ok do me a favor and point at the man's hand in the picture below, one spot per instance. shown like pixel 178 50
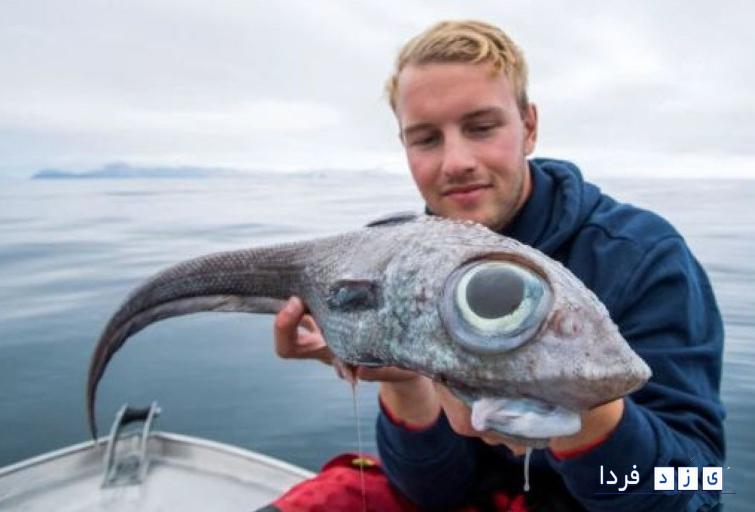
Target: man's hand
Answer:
pixel 297 336
pixel 597 424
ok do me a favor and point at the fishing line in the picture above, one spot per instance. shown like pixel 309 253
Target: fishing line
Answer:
pixel 355 399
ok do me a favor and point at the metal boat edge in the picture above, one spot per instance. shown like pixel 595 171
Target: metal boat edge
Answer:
pixel 184 473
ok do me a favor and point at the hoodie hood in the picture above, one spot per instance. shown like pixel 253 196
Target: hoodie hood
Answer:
pixel 558 205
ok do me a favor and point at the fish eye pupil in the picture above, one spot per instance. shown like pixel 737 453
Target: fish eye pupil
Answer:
pixel 494 292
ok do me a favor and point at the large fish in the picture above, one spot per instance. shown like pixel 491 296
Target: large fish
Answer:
pixel 506 328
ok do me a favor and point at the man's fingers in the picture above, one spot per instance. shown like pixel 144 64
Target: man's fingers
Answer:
pixel 308 323
pixel 322 354
pixel 286 327
pixel 297 336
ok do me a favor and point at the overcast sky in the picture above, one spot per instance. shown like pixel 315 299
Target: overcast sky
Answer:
pixel 631 87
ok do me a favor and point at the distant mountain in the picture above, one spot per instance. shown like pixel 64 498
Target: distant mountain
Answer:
pixel 125 171
pixel 53 174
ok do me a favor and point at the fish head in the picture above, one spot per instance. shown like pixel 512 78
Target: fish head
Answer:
pixel 510 331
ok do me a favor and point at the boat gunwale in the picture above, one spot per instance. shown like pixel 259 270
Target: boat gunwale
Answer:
pixel 159 436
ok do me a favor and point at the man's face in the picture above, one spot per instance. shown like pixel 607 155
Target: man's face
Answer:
pixel 465 140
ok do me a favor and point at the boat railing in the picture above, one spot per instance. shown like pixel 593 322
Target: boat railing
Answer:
pixel 124 466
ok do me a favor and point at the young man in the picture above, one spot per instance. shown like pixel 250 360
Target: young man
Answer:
pixel 459 93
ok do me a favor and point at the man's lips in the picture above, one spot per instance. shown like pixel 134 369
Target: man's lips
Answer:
pixel 465 194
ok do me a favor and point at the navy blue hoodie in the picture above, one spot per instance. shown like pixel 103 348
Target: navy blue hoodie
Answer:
pixel 642 270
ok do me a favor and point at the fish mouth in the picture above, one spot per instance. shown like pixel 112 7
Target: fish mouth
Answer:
pixel 526 421
pixel 349 371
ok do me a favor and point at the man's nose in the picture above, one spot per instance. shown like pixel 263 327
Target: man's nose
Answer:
pixel 458 157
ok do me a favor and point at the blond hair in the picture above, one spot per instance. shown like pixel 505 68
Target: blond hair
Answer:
pixel 472 42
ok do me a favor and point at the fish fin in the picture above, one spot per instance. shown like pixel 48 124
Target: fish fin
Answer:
pixel 393 219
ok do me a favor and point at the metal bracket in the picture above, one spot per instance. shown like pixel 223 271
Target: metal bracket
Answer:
pixel 130 467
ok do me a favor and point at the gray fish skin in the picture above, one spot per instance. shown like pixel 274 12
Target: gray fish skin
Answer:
pixel 378 296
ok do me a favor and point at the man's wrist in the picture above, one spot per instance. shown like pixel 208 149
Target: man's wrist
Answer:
pixel 412 403
pixel 597 426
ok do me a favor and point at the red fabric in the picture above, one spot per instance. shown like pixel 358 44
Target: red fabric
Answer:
pixel 506 503
pixel 338 488
pixel 518 504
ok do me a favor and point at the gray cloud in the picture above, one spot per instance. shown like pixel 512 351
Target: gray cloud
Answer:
pixel 622 86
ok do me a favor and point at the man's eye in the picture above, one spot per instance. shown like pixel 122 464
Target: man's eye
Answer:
pixel 424 141
pixel 482 129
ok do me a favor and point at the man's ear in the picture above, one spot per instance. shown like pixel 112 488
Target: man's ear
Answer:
pixel 530 129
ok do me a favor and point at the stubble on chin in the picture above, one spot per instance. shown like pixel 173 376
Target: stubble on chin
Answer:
pixel 494 212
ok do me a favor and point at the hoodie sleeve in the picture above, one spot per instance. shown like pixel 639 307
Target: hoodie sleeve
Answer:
pixel 669 316
pixel 433 467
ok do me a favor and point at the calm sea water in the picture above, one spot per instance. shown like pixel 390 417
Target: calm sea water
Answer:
pixel 71 250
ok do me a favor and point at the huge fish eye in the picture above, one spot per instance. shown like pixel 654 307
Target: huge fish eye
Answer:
pixel 490 292
pixel 494 306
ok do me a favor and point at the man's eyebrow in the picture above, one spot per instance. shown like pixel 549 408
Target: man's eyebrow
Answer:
pixel 413 128
pixel 481 113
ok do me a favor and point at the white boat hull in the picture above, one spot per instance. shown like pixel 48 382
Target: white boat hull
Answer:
pixel 184 474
